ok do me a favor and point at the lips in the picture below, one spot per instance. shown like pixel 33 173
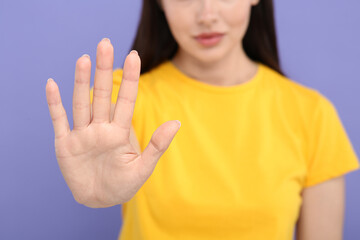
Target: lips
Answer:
pixel 209 39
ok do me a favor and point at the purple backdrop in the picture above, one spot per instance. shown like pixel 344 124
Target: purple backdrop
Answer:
pixel 319 47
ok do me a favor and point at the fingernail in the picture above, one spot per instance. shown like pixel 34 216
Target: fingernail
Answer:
pixel 178 122
pixel 135 52
pixel 86 55
pixel 50 80
pixel 105 39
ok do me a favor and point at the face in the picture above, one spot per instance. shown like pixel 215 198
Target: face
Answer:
pixel 208 30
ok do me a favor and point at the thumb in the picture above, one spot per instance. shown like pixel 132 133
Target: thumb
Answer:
pixel 159 143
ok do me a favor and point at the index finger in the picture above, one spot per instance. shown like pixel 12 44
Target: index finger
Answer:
pixel 57 111
pixel 125 103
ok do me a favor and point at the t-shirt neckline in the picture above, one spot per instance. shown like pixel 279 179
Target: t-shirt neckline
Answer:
pixel 246 86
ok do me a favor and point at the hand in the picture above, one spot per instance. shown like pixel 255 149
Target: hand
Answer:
pixel 98 161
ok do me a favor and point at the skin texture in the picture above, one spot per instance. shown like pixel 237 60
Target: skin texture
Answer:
pixel 103 169
pixel 99 160
pixel 322 211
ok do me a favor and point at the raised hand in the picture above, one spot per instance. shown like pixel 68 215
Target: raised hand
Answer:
pixel 100 164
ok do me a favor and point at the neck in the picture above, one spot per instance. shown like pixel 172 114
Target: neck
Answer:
pixel 233 69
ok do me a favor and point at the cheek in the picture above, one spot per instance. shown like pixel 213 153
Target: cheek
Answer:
pixel 237 20
pixel 179 29
pixel 238 16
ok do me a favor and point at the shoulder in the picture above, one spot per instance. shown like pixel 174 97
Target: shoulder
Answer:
pixel 287 89
pixel 301 105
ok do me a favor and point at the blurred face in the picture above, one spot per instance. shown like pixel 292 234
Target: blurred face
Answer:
pixel 208 30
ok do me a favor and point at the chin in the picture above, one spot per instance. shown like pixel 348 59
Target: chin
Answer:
pixel 206 55
pixel 213 54
pixel 210 56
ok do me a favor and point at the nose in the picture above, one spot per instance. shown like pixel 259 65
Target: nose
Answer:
pixel 207 12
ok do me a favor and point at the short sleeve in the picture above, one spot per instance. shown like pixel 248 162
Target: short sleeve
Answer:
pixel 330 151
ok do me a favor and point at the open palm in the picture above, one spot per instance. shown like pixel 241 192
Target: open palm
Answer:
pixel 100 164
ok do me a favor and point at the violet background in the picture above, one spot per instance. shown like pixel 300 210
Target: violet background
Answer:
pixel 319 47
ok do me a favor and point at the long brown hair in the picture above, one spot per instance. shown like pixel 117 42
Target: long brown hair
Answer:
pixel 155 43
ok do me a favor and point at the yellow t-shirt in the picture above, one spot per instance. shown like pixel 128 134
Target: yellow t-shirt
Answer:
pixel 242 156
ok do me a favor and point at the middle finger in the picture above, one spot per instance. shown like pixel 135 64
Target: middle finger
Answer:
pixel 103 81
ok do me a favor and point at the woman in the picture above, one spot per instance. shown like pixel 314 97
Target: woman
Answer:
pixel 257 153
